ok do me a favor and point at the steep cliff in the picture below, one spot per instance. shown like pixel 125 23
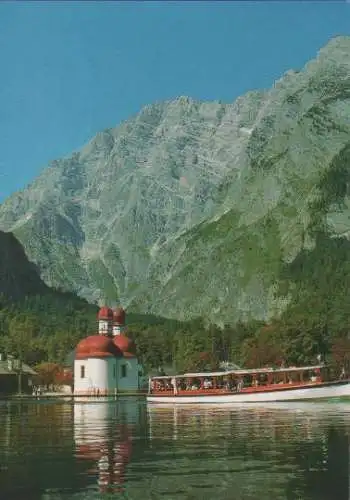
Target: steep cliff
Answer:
pixel 194 208
pixel 18 276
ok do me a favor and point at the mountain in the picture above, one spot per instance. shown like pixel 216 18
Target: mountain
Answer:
pixel 200 208
pixel 18 276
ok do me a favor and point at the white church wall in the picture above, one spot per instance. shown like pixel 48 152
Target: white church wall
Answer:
pixel 94 376
pixel 112 375
pixel 128 376
pixel 81 376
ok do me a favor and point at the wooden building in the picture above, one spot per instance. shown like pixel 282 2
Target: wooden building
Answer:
pixel 15 376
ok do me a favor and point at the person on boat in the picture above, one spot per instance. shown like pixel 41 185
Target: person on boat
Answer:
pixel 174 385
pixel 229 386
pixel 182 385
pixel 207 384
pixel 219 384
pixel 160 385
pixel 240 384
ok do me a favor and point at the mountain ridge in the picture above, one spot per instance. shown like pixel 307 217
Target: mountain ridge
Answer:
pixel 190 206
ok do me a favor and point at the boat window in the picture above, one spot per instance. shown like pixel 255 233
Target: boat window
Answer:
pixel 263 379
pixel 207 383
pixel 195 384
pixel 182 385
pixel 168 384
pixel 278 378
pixel 248 380
pixel 325 375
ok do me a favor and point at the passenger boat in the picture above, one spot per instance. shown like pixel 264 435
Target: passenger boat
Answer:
pixel 249 386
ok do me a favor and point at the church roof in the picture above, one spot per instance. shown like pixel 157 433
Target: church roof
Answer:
pixel 97 346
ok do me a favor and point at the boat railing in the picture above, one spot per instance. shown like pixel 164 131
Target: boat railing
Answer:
pixel 179 385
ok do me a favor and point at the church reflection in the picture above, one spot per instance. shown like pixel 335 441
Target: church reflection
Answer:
pixel 103 441
pixel 124 449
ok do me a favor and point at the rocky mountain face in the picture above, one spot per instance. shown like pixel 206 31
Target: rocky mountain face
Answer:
pixel 196 208
pixel 18 276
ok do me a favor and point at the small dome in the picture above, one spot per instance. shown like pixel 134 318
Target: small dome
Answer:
pixel 119 316
pixel 124 344
pixel 97 346
pixel 105 313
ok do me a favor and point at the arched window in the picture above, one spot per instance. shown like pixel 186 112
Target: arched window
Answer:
pixel 123 371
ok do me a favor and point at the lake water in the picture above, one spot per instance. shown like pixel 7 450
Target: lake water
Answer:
pixel 98 450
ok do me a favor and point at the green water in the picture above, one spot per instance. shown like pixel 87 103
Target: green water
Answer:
pixel 93 450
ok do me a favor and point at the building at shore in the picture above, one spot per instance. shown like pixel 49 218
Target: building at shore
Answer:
pixel 15 376
pixel 106 363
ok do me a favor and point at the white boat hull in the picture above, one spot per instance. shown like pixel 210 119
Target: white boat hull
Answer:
pixel 337 390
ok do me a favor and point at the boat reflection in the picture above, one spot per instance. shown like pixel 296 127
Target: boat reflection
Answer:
pixel 276 421
pixel 311 439
pixel 103 439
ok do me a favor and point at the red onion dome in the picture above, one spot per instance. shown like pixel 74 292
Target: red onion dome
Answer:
pixel 97 346
pixel 105 313
pixel 124 344
pixel 119 316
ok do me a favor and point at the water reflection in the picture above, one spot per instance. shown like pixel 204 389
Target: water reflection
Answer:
pixel 124 449
pixel 35 446
pixel 103 438
pixel 275 422
pixel 54 451
pixel 273 451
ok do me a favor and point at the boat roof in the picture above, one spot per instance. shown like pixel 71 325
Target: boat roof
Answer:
pixel 252 371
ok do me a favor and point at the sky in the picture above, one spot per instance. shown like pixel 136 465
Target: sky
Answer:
pixel 72 69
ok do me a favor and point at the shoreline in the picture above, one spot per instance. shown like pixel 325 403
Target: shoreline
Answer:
pixel 73 397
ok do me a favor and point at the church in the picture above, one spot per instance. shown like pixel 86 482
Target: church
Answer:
pixel 106 363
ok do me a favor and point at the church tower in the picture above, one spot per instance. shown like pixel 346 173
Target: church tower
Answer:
pixel 118 321
pixel 105 321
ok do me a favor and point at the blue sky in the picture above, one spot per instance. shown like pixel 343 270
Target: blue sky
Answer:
pixel 71 69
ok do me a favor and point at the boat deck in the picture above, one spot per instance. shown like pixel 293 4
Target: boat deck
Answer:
pixel 244 390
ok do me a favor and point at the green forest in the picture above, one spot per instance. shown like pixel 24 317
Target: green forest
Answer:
pixel 46 328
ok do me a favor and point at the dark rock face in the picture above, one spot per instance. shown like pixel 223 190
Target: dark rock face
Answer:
pixel 18 276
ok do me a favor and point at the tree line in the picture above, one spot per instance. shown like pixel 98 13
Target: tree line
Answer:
pixel 43 330
pixel 46 328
